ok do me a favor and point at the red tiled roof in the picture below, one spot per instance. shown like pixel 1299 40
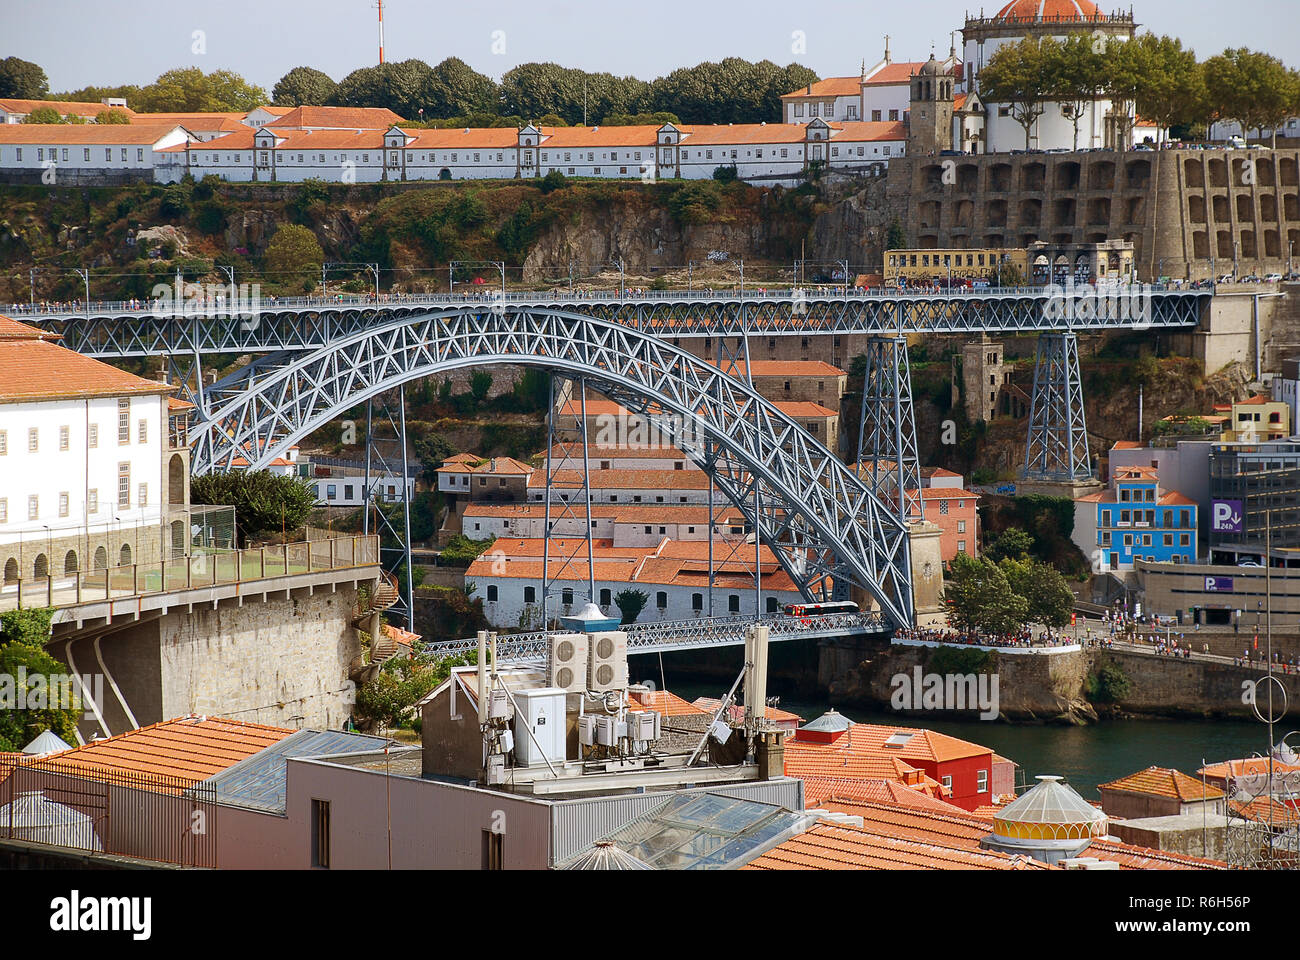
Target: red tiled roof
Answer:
pixel 830 87
pixel 188 749
pixel 91 134
pixel 80 107
pixel 356 118
pixel 11 329
pixel 836 793
pixel 833 846
pixel 40 370
pixel 1164 782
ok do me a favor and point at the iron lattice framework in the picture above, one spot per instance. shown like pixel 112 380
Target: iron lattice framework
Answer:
pixel 1058 428
pixel 663 636
pixel 887 457
pixel 820 519
pixel 296 324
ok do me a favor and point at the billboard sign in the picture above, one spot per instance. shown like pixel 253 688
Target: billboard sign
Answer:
pixel 1218 584
pixel 1226 516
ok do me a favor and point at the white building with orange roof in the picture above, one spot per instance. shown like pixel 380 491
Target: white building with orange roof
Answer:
pixel 16 110
pixel 82 153
pixel 89 460
pixel 677 586
pixel 624 525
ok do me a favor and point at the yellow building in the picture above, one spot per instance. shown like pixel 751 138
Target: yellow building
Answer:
pixel 920 267
pixel 1257 420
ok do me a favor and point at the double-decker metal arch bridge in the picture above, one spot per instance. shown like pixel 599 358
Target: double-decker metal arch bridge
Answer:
pixel 828 523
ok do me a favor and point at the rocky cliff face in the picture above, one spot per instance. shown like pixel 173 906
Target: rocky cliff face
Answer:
pixel 856 224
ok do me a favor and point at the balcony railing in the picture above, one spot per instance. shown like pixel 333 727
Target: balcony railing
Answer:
pixel 206 568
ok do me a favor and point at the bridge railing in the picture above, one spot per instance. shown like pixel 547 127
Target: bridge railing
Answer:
pixel 141 307
pixel 208 568
pixel 692 634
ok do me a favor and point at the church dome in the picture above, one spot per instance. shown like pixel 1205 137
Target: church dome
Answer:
pixel 1050 10
pixel 933 68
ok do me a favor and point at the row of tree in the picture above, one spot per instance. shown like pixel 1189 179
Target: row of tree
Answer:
pixel 732 91
pixel 1006 589
pixel 1154 75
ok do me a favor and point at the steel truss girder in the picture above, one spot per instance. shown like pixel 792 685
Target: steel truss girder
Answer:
pixel 307 326
pixel 1057 447
pixel 666 635
pixel 887 427
pixel 837 516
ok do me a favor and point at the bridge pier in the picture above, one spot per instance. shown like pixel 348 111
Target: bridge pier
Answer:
pixel 887 457
pixel 1057 459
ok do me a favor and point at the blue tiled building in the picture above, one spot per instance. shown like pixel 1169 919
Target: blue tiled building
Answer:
pixel 1134 519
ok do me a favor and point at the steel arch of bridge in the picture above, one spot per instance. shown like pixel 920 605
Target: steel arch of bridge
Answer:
pixel 818 516
pixel 309 323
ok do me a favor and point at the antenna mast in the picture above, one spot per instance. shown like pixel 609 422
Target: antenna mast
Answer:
pixel 380 5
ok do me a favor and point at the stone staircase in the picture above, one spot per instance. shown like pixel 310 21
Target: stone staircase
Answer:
pixel 365 616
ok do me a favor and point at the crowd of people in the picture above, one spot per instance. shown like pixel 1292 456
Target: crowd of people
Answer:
pixel 1025 637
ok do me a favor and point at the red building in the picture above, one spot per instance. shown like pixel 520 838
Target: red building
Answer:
pixel 834 746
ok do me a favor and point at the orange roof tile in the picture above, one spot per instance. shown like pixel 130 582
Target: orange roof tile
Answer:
pixel 625 479
pixel 830 87
pixel 39 370
pixel 710 705
pixel 356 118
pixel 92 134
pixel 868 131
pixel 833 846
pixel 11 329
pixel 664 702
pixel 867 739
pixel 80 107
pixel 1130 857
pixel 838 793
pixel 188 749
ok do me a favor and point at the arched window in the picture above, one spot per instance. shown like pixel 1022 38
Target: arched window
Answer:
pixel 70 562
pixel 41 568
pixel 605 598
pixel 11 570
pixel 492 593
pixel 124 558
pixel 530 594
pixel 176 479
pixel 101 558
pixel 661 600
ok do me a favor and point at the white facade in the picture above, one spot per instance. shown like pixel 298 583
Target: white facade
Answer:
pixel 69 468
pixel 86 149
pixel 509 601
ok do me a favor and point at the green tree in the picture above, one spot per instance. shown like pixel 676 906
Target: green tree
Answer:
pixel 480 382
pixel 554 180
pixel 1048 599
pixel 980 598
pixel 630 603
pixel 294 255
pixel 1254 89
pixel 43 115
pixel 23 634
pixel 388 699
pixel 1018 76
pixel 1012 543
pixel 264 502
pixel 1173 90
pixel 22 80
pixel 896 238
pixel 189 90
pixel 111 117
pixel 1074 75
pixel 454 89
pixel 532 90
pixel 431 451
pixel 303 86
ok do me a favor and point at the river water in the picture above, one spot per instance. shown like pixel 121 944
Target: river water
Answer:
pixel 1085 756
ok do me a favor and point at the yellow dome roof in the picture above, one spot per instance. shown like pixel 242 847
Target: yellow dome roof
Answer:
pixel 1052 810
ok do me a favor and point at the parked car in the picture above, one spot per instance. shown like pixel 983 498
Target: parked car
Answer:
pixel 1247 563
pixel 1273 278
pixel 1226 278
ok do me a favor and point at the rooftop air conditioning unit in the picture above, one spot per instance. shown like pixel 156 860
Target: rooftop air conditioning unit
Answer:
pixel 607 661
pixel 643 725
pixel 587 729
pixel 609 730
pixel 499 705
pixel 566 662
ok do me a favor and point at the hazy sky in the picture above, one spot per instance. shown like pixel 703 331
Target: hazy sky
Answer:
pixel 80 42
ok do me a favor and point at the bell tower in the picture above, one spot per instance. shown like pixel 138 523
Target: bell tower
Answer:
pixel 930 113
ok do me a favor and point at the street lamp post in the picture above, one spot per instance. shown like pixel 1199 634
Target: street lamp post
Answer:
pixel 84 273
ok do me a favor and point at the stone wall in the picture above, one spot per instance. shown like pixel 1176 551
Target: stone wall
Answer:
pixel 1188 213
